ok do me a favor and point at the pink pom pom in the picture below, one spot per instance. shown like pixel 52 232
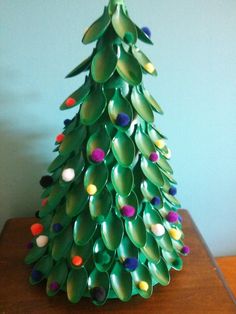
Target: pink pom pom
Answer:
pixel 97 155
pixel 154 156
pixel 185 250
pixel 128 211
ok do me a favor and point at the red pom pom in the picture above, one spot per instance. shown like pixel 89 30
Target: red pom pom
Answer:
pixel 44 201
pixel 70 102
pixel 77 260
pixel 36 229
pixel 60 138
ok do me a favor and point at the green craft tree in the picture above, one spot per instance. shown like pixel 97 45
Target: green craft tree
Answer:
pixel 109 226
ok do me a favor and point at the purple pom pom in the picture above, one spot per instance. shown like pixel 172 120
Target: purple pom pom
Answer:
pixel 123 119
pixel 97 155
pixel 98 294
pixel 172 217
pixel 29 245
pixel 54 286
pixel 147 31
pixel 185 250
pixel 156 201
pixel 36 275
pixel 131 263
pixel 57 227
pixel 128 211
pixel 67 122
pixel 172 190
pixel 154 156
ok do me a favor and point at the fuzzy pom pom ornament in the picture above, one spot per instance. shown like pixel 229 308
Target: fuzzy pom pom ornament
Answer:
pixel 68 174
pixel 172 216
pixel 143 285
pixel 97 155
pixel 173 191
pixel 54 286
pixel 122 119
pixel 98 294
pixel 128 211
pixel 147 31
pixel 46 181
pixel 156 201
pixel 160 143
pixel 44 201
pixel 77 260
pixel 60 138
pixel 57 227
pixel 154 156
pixel 36 275
pixel 185 250
pixel 67 122
pixel 70 102
pixel 175 234
pixel 130 263
pixel 36 229
pixel 158 230
pixel 41 240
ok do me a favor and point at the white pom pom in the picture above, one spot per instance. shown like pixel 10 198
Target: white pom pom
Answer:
pixel 68 174
pixel 42 241
pixel 158 230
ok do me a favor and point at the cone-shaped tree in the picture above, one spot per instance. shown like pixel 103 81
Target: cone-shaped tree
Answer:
pixel 109 226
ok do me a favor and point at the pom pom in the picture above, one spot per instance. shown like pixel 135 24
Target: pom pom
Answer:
pixel 185 250
pixel 36 275
pixel 46 181
pixel 44 201
pixel 70 102
pixel 36 214
pixel 122 119
pixel 154 156
pixel 57 227
pixel 172 217
pixel 156 201
pixel 172 190
pixel 60 138
pixel 97 155
pixel 91 189
pixel 160 143
pixel 147 31
pixel 67 122
pixel 131 263
pixel 36 229
pixel 175 233
pixel 42 241
pixel 54 286
pixel 158 230
pixel 68 174
pixel 143 285
pixel 29 245
pixel 98 294
pixel 128 211
pixel 77 260
pixel 149 67
pixel 102 258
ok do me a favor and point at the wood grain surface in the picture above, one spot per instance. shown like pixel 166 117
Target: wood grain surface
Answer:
pixel 227 265
pixel 198 288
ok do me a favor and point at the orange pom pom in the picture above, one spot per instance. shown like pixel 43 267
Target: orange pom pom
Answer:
pixel 36 229
pixel 77 260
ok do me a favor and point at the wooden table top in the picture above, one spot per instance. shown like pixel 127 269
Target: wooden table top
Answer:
pixel 198 288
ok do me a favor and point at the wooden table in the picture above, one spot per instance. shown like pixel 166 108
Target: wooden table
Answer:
pixel 198 288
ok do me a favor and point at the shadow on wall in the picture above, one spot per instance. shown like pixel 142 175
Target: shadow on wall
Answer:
pixel 20 166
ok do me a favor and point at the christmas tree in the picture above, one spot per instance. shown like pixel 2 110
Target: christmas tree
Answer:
pixel 109 226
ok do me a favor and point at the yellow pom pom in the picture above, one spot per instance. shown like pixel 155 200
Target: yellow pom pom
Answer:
pixel 143 285
pixel 160 143
pixel 149 67
pixel 92 189
pixel 175 233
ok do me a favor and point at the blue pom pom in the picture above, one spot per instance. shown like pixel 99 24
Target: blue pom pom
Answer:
pixel 172 190
pixel 57 227
pixel 36 275
pixel 131 263
pixel 147 31
pixel 67 122
pixel 123 119
pixel 156 200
